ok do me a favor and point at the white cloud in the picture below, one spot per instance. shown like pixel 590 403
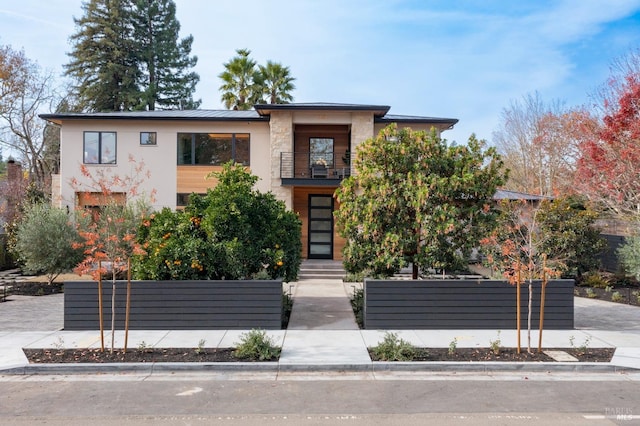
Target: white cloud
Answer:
pixel 464 60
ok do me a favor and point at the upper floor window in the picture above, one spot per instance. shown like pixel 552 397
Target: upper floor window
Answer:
pixel 321 151
pixel 213 149
pixel 99 147
pixel 148 138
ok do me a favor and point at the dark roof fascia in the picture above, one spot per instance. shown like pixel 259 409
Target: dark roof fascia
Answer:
pixel 415 119
pixel 265 109
pixel 151 116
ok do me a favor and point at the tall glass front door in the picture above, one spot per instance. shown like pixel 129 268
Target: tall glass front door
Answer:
pixel 320 227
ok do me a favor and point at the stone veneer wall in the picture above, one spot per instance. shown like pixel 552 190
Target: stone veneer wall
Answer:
pixel 281 140
pixel 361 129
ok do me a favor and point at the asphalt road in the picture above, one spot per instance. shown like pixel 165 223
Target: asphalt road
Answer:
pixel 194 400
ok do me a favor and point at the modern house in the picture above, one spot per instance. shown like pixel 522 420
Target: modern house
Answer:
pixel 300 152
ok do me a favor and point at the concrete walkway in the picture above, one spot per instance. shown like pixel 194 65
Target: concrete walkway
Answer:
pixel 322 337
pixel 321 305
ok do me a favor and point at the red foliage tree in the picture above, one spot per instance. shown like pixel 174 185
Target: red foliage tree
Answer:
pixel 609 164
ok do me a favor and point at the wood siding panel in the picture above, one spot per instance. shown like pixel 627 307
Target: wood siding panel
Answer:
pixel 177 305
pixel 193 179
pixel 462 304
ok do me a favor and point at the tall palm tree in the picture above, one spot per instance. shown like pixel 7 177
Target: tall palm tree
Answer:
pixel 239 90
pixel 276 82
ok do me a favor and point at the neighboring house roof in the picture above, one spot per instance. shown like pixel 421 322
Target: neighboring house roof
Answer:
pixel 505 194
pixel 260 113
pixel 392 118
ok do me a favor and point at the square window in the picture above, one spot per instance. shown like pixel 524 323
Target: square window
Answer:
pixel 99 148
pixel 148 138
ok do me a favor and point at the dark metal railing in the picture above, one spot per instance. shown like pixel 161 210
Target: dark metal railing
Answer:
pixel 305 165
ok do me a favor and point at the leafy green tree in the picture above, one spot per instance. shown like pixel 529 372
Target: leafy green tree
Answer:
pixel 234 232
pixel 46 241
pixel 416 200
pixel 572 237
pixel 103 57
pixel 276 82
pixel 239 89
pixel 166 81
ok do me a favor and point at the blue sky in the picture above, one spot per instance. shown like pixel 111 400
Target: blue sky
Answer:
pixel 459 59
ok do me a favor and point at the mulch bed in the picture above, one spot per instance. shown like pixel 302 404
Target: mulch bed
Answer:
pixel 507 354
pixel 54 356
pixel 627 295
pixel 36 288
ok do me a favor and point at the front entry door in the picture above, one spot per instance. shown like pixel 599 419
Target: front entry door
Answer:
pixel 320 227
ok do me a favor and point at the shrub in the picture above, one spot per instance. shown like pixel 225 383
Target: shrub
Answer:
pixel 287 307
pixel 629 255
pixel 616 296
pixel 357 304
pixel 595 280
pixel 46 241
pixel 257 346
pixel 570 233
pixel 234 232
pixel 393 348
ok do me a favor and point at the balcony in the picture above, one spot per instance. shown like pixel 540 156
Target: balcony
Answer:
pixel 304 168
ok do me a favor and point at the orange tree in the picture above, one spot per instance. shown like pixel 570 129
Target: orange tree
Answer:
pixel 233 232
pixel 416 200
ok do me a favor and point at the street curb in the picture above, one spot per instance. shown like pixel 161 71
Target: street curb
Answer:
pixel 275 367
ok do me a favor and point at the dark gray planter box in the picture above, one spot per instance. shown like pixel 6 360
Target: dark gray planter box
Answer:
pixel 176 305
pixel 462 304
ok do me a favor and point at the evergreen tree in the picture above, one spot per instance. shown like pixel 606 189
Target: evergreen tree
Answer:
pixel 167 81
pixel 103 61
pixel 127 56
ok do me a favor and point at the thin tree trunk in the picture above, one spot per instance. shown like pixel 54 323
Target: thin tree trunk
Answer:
pixel 542 298
pixel 113 307
pixel 128 308
pixel 100 307
pixel 518 309
pixel 529 307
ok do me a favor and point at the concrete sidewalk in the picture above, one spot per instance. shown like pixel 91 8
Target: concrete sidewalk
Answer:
pixel 322 337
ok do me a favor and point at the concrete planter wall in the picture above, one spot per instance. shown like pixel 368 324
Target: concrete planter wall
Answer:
pixel 462 304
pixel 177 305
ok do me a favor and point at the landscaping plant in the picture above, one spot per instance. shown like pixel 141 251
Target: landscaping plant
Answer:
pixel 542 241
pixel 257 346
pixel 233 232
pixel 393 348
pixel 415 199
pixel 47 241
pixel 109 234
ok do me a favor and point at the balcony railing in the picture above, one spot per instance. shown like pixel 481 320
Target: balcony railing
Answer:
pixel 305 165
